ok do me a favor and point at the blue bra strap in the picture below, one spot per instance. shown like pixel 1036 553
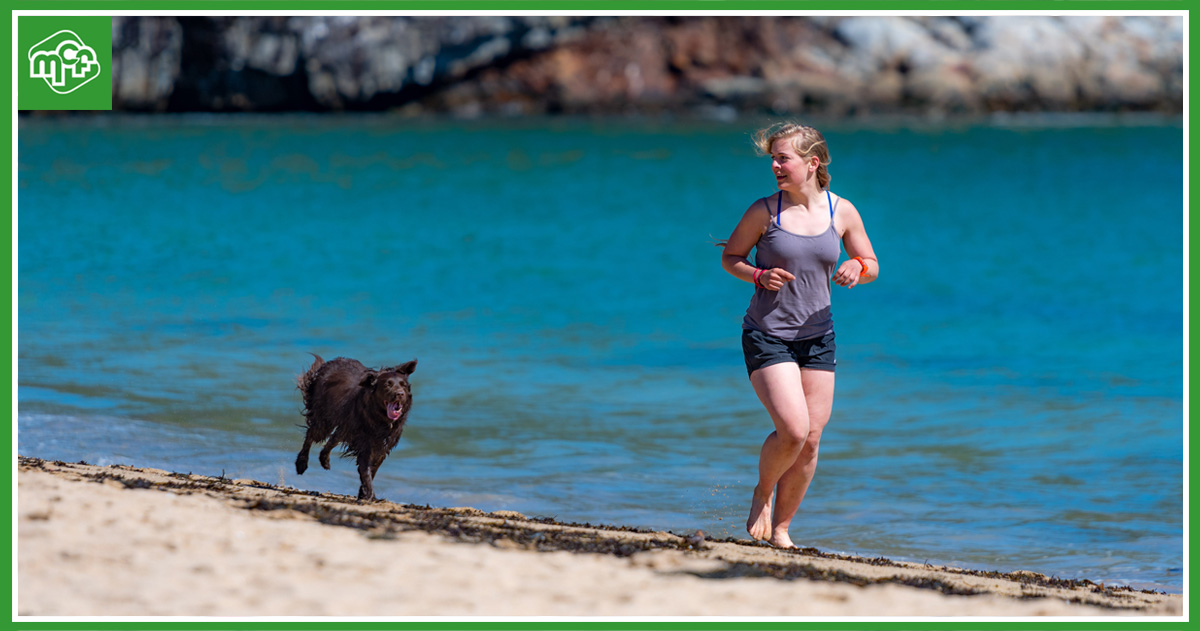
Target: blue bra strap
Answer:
pixel 779 207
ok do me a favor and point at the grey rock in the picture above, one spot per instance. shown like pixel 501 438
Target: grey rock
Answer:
pixel 510 65
pixel 146 55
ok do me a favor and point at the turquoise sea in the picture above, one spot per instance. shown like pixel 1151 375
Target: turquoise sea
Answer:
pixel 1009 393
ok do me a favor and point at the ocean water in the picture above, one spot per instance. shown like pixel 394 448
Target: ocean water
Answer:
pixel 1009 392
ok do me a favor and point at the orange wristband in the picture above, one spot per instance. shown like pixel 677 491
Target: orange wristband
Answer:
pixel 863 263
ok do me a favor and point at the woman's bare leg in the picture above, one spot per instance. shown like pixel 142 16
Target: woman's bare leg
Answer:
pixel 780 389
pixel 792 486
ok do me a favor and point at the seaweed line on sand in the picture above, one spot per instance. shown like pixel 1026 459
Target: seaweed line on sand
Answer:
pixel 384 520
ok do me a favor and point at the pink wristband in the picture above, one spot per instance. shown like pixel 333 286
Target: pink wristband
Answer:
pixel 758 274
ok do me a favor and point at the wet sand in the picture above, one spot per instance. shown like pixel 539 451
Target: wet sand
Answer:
pixel 122 541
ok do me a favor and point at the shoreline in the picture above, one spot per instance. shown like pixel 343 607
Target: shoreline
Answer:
pixel 475 65
pixel 895 120
pixel 211 546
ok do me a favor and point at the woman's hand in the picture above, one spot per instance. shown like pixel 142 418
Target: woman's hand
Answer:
pixel 774 278
pixel 849 273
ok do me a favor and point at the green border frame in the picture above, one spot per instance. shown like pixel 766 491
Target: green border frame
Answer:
pixel 601 6
pixel 699 6
pixel 1051 624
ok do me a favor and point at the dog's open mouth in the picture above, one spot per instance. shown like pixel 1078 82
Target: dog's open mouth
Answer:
pixel 393 411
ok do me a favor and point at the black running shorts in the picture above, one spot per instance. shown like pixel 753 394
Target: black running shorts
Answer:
pixel 763 350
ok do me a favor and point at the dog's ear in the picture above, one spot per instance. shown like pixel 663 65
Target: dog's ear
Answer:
pixel 368 380
pixel 405 369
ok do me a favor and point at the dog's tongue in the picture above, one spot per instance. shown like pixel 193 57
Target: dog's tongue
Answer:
pixel 393 411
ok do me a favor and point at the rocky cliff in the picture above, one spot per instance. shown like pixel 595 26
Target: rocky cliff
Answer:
pixel 586 64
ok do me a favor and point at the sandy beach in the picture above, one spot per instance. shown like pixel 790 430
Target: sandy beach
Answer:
pixel 122 541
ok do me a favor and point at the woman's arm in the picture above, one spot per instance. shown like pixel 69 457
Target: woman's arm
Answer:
pixel 858 246
pixel 737 249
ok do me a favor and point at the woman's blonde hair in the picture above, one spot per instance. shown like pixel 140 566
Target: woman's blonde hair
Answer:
pixel 806 141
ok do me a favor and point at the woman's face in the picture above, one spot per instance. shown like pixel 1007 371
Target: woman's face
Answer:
pixel 790 169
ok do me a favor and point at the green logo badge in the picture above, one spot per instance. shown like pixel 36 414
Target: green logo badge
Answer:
pixel 67 63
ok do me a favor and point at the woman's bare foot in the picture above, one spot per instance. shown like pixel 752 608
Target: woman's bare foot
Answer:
pixel 780 539
pixel 759 523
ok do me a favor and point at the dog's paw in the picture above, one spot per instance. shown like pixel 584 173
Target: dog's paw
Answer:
pixel 301 465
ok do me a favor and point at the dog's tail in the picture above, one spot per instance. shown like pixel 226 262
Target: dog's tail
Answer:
pixel 304 382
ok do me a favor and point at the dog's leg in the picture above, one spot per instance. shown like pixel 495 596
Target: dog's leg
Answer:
pixel 325 451
pixel 375 467
pixel 302 457
pixel 366 490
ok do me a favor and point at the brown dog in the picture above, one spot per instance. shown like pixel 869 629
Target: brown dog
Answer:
pixel 363 409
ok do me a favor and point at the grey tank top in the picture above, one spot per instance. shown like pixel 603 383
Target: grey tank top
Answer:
pixel 801 309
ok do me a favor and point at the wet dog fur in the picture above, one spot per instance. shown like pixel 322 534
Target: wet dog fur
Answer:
pixel 349 404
